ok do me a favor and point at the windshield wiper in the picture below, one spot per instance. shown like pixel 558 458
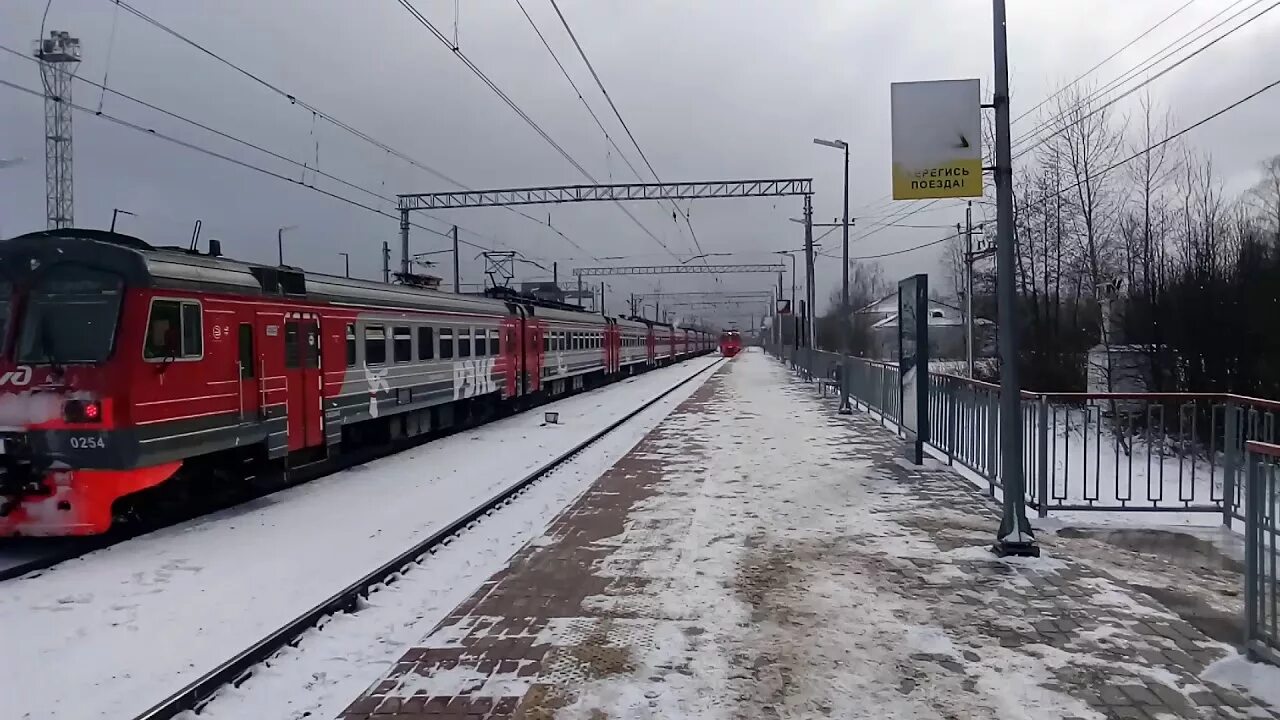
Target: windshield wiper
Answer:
pixel 46 344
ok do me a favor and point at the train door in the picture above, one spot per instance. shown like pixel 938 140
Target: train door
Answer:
pixel 248 366
pixel 614 339
pixel 533 334
pixel 511 355
pixel 303 381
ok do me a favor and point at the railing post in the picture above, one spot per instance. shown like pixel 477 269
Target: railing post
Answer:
pixel 993 423
pixel 1042 450
pixel 1252 541
pixel 1230 462
pixel 950 396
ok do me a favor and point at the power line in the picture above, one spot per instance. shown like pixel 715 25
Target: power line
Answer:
pixel 227 158
pixel 1144 83
pixel 895 252
pixel 317 112
pixel 1107 59
pixel 887 201
pixel 600 84
pixel 1156 145
pixel 422 19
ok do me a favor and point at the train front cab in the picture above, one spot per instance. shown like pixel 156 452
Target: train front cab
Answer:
pixel 730 344
pixel 64 453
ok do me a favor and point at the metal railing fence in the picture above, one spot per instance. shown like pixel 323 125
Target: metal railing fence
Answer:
pixel 1140 452
pixel 1261 606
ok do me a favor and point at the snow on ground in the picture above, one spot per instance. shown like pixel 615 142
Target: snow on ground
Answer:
pixel 1256 678
pixel 332 665
pixel 111 633
pixel 772 555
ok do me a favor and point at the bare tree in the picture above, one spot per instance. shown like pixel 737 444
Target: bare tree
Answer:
pixel 1267 193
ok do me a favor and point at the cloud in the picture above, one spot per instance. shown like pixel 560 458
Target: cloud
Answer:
pixel 716 89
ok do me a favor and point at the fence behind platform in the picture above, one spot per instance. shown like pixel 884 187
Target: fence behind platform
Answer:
pixel 1135 452
pixel 1262 607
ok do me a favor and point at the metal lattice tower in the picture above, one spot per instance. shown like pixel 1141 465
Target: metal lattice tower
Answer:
pixel 59 54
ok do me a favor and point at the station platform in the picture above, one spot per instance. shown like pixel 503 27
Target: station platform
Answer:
pixel 759 556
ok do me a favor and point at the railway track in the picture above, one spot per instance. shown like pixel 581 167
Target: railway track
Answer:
pixel 25 556
pixel 239 668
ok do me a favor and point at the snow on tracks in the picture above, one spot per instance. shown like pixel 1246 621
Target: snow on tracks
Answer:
pixel 130 624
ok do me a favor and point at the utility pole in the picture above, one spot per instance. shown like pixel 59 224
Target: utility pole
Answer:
pixel 457 286
pixel 579 291
pixel 808 275
pixel 555 274
pixel 846 332
pixel 1014 536
pixel 404 243
pixel 602 298
pixel 968 289
pixel 386 262
pixel 59 55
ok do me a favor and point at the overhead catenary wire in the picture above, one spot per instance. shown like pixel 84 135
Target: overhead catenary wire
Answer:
pixel 325 116
pixel 227 158
pixel 475 70
pixel 600 84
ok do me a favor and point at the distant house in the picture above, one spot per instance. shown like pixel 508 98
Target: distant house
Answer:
pixel 946 330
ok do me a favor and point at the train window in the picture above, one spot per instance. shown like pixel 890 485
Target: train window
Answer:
pixel 246 351
pixel 311 349
pixel 401 344
pixel 493 342
pixel 375 345
pixel 174 331
pixel 351 345
pixel 464 342
pixel 292 354
pixel 192 333
pixel 546 342
pixel 426 343
pixel 481 344
pixel 446 343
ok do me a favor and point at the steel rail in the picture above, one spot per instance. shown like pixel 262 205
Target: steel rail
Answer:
pixel 239 668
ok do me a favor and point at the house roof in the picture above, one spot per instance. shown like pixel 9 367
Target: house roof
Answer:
pixel 950 314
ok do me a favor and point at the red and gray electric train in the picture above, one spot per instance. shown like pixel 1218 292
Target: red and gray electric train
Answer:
pixel 126 366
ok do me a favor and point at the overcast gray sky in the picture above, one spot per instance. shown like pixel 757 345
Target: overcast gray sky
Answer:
pixel 712 89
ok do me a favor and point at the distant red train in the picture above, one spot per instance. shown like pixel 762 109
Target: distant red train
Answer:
pixel 730 343
pixel 125 366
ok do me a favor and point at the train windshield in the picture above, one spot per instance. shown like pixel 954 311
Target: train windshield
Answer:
pixel 6 305
pixel 71 316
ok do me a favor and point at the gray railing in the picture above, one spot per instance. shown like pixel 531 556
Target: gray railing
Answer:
pixel 1138 452
pixel 1262 608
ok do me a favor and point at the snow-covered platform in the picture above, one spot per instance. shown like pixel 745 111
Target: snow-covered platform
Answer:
pixel 759 556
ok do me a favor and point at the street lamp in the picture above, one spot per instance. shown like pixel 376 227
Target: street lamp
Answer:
pixel 346 264
pixel 116 212
pixel 280 243
pixel 845 340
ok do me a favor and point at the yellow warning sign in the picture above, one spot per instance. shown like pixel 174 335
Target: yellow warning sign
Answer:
pixel 937 139
pixel 962 178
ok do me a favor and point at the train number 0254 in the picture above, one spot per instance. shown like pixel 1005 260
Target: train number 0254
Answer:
pixel 88 442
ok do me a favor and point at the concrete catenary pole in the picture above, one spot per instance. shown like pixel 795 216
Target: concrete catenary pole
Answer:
pixel 457 282
pixel 1014 537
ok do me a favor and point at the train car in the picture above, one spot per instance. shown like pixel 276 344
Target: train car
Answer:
pixel 730 343
pixel 126 367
